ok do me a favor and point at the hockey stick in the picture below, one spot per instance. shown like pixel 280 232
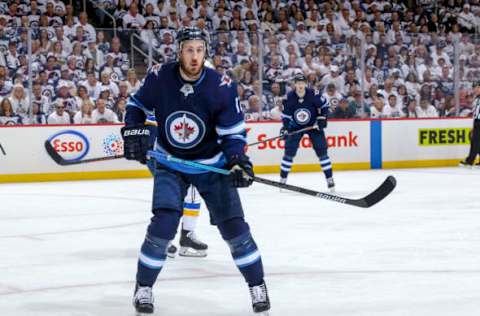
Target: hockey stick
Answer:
pixel 61 161
pixel 308 128
pixel 371 199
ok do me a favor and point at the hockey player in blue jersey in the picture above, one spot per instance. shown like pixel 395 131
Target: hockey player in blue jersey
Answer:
pixel 303 108
pixel 199 118
pixel 190 245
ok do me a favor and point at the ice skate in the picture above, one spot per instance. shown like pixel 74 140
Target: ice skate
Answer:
pixel 331 185
pixel 171 250
pixel 143 300
pixel 260 300
pixel 190 246
pixel 465 164
pixel 283 181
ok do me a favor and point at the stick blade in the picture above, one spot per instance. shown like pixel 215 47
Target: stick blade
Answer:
pixel 379 194
pixel 53 154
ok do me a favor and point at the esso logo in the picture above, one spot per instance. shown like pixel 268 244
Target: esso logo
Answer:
pixel 71 145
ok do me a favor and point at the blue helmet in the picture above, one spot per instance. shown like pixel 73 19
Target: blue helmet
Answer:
pixel 191 33
pixel 299 77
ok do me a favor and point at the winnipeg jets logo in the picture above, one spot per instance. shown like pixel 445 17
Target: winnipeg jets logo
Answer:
pixel 186 89
pixel 302 116
pixel 225 81
pixel 184 129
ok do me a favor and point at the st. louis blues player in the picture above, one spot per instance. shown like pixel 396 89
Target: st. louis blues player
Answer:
pixel 304 108
pixel 190 245
pixel 199 118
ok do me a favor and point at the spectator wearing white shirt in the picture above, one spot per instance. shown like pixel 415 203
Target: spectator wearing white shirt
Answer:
pixel 84 116
pixel 103 115
pixel 88 29
pixel 467 19
pixel 302 37
pixel 393 108
pixel 377 110
pixel 92 85
pixel 59 116
pixel 133 83
pixel 133 19
pixel 426 109
pixel 335 78
pixel 20 103
pixel 106 82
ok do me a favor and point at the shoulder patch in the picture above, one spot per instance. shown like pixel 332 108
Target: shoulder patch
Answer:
pixel 225 81
pixel 155 69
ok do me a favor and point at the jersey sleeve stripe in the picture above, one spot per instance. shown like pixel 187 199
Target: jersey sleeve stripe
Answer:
pixel 237 136
pixel 132 101
pixel 233 129
pixel 285 116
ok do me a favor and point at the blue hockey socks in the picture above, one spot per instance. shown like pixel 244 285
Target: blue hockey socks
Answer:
pixel 326 166
pixel 153 253
pixel 244 250
pixel 285 166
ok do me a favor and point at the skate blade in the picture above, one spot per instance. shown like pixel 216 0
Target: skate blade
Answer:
pixel 265 313
pixel 465 166
pixel 189 252
pixel 332 190
pixel 171 255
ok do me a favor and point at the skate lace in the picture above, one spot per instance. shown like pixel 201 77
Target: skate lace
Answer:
pixel 144 295
pixel 258 293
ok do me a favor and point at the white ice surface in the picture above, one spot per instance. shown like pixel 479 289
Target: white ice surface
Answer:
pixel 70 248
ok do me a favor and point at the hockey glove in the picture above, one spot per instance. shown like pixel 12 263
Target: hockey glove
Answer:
pixel 321 122
pixel 241 171
pixel 283 133
pixel 136 142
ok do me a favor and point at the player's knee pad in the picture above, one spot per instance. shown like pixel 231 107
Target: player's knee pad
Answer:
pixel 164 224
pixel 233 227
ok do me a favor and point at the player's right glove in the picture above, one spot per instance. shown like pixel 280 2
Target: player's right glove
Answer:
pixel 136 142
pixel 241 171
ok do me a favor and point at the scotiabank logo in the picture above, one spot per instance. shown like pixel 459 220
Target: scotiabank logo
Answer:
pixel 333 141
pixel 71 145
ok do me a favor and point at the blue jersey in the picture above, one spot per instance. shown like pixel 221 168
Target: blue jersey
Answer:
pixel 199 120
pixel 302 112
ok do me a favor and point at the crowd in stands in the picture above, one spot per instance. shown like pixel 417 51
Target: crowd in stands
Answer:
pixel 367 58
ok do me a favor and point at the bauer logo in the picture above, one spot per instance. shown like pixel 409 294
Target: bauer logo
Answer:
pixel 443 136
pixel 71 145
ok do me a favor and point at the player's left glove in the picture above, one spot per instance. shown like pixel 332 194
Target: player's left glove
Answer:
pixel 136 142
pixel 241 171
pixel 321 122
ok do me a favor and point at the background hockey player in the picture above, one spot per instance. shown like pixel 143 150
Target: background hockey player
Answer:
pixel 475 139
pixel 303 108
pixel 190 245
pixel 202 121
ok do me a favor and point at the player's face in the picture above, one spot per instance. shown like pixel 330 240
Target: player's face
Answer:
pixel 192 57
pixel 300 87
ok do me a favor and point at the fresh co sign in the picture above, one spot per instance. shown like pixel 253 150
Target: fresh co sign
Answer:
pixel 71 145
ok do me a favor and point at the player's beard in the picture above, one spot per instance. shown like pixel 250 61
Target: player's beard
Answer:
pixel 192 70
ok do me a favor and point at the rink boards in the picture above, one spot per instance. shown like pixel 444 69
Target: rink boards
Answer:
pixel 353 145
